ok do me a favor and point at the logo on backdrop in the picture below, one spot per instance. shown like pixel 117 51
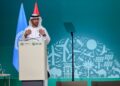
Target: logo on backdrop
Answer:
pixel 92 59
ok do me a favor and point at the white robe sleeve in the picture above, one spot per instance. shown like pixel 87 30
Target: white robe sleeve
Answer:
pixel 47 37
pixel 23 36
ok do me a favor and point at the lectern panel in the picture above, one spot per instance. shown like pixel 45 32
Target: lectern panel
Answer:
pixel 32 60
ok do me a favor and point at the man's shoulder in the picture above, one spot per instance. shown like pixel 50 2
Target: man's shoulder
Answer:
pixel 41 27
pixel 28 27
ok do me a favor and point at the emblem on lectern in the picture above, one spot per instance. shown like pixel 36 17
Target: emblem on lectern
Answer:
pixel 33 44
pixel 21 44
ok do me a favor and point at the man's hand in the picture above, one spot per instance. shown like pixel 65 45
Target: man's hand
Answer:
pixel 42 32
pixel 27 32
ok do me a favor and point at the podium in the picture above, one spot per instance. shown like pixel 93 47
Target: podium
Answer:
pixel 32 60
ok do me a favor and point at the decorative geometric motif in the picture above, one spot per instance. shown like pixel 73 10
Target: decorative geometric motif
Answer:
pixel 92 59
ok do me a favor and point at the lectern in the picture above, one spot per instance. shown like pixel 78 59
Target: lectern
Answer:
pixel 32 60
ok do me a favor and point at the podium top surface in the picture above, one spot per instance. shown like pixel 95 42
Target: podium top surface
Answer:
pixel 32 41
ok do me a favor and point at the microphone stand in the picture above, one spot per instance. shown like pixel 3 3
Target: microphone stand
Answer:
pixel 72 36
pixel 70 29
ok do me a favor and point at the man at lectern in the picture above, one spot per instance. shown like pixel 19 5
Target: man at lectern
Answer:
pixel 36 31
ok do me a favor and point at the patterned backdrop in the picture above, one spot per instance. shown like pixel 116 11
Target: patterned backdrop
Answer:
pixel 92 59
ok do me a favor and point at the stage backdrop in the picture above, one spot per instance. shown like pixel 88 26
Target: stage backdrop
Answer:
pixel 96 37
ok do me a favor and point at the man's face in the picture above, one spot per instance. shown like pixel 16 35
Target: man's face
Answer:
pixel 35 22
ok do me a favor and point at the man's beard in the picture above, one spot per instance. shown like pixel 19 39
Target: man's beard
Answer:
pixel 35 24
